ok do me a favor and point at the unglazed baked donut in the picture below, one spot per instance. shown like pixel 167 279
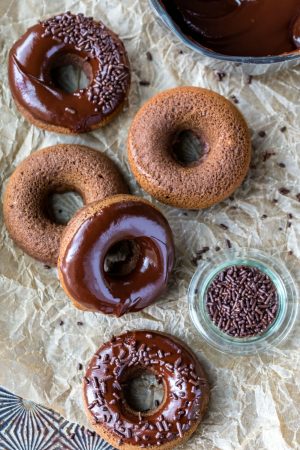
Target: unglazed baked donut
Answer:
pixel 60 168
pixel 221 132
pixel 69 39
pixel 186 391
pixel 128 286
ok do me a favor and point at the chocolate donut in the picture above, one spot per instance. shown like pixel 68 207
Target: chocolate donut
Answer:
pixel 56 169
pixel 221 132
pixel 69 39
pixel 186 391
pixel 128 285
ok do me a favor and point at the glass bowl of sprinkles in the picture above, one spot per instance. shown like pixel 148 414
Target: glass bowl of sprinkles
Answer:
pixel 243 301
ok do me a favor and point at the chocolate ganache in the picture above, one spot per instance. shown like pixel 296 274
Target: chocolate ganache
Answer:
pixel 101 226
pixel 239 27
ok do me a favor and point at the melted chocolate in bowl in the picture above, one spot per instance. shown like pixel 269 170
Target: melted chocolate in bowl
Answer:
pixel 240 27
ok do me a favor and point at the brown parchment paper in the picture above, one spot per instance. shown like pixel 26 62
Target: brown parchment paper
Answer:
pixel 255 400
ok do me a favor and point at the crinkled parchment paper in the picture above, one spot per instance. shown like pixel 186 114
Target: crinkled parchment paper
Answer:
pixel 254 400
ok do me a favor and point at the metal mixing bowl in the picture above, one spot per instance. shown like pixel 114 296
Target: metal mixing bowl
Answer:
pixel 189 42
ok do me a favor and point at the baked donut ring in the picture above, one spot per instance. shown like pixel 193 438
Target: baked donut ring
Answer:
pixel 69 39
pixel 121 287
pixel 186 391
pixel 56 169
pixel 221 131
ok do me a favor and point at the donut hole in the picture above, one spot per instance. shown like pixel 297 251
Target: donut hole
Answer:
pixel 188 148
pixel 122 258
pixel 70 73
pixel 61 206
pixel 143 391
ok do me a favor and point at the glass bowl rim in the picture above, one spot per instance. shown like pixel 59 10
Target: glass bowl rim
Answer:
pixel 287 291
pixel 198 48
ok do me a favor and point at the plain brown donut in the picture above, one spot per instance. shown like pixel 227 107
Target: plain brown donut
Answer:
pixel 217 123
pixel 60 168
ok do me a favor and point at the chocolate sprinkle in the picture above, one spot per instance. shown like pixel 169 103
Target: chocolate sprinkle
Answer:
pixel 113 77
pixel 149 56
pixel 178 425
pixel 199 255
pixel 284 191
pixel 235 99
pixel 228 243
pixel 223 226
pixel 202 251
pixel 242 301
pixel 221 75
pixel 144 83
pixel 262 134
pixel 268 155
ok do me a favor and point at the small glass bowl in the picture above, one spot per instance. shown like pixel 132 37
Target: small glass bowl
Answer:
pixel 189 42
pixel 286 292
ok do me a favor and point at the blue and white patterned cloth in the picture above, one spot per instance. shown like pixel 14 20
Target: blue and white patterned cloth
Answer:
pixel 24 425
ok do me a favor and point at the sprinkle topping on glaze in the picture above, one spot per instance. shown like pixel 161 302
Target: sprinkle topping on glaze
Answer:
pixel 96 41
pixel 115 363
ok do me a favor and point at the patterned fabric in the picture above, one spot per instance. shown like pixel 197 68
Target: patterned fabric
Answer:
pixel 24 425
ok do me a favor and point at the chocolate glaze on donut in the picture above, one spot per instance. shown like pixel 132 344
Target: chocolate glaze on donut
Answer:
pixel 62 40
pixel 238 27
pixel 186 390
pixel 93 232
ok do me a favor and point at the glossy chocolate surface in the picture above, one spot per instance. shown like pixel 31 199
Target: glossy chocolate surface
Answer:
pixel 64 40
pixel 186 389
pixel 239 27
pixel 83 266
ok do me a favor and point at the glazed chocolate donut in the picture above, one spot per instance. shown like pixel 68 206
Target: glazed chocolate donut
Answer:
pixel 56 169
pixel 69 39
pixel 186 391
pixel 221 132
pixel 126 286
